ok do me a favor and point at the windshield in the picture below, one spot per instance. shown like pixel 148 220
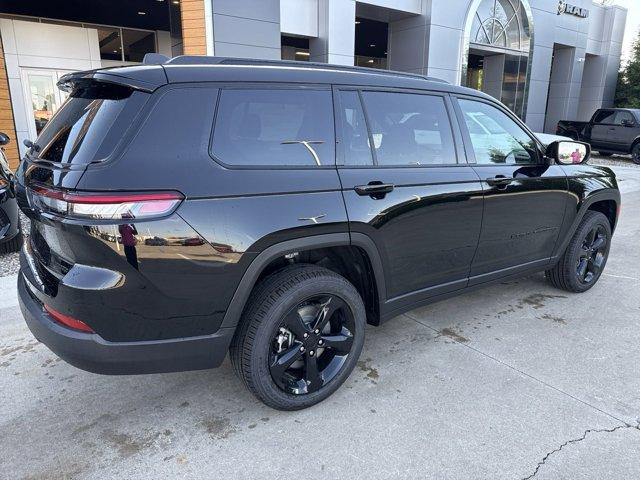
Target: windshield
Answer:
pixel 78 130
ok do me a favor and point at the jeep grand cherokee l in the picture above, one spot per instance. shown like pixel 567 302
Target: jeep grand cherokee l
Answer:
pixel 271 209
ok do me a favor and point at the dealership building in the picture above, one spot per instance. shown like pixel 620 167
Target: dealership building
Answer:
pixel 546 60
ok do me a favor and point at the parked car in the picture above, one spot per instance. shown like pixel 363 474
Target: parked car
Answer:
pixel 329 197
pixel 10 234
pixel 610 130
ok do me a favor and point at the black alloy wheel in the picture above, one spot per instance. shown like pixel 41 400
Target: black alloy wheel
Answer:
pixel 584 259
pixel 311 344
pixel 300 336
pixel 592 255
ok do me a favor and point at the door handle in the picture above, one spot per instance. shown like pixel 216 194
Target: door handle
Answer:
pixel 374 189
pixel 500 181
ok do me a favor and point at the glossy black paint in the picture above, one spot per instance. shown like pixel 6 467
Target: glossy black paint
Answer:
pixel 438 231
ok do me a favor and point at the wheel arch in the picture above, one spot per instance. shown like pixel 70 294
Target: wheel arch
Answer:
pixel 606 202
pixel 333 249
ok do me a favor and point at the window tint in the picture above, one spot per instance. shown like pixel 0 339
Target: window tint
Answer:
pixel 274 127
pixel 624 117
pixel 605 116
pixel 355 137
pixel 496 138
pixel 79 128
pixel 409 129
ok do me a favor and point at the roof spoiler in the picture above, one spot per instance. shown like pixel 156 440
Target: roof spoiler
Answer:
pixel 145 80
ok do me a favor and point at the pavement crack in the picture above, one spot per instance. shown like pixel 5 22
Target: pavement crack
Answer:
pixel 577 440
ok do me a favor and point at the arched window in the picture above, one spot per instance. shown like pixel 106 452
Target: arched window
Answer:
pixel 502 24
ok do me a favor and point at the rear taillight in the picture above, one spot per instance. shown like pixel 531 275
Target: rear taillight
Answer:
pixel 104 206
pixel 68 321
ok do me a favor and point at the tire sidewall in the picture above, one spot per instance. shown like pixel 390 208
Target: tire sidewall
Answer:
pixel 259 363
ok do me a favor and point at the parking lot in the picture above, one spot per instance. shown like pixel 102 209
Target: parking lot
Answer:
pixel 514 381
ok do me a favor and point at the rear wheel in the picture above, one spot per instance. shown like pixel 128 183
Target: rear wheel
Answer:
pixel 635 153
pixel 12 245
pixel 584 260
pixel 300 337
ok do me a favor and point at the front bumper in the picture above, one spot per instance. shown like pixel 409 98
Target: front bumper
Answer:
pixel 91 352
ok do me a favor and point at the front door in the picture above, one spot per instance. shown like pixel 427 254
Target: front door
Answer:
pixel 624 131
pixel 524 199
pixel 407 187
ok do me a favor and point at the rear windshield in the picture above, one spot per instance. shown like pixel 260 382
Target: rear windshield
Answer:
pixel 78 132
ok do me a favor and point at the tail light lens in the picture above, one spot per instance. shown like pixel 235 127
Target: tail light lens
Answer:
pixel 104 206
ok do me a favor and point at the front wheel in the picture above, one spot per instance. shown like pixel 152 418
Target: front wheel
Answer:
pixel 300 336
pixel 583 261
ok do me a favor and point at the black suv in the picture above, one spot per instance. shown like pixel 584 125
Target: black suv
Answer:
pixel 272 209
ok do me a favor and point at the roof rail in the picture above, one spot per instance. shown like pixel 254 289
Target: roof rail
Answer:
pixel 203 60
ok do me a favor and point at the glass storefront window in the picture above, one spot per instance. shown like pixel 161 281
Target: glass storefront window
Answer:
pixel 500 37
pixel 137 43
pixel 109 42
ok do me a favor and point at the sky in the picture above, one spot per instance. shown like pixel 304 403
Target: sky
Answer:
pixel 633 25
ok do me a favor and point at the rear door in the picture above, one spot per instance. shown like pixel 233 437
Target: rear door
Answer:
pixel 406 186
pixel 525 197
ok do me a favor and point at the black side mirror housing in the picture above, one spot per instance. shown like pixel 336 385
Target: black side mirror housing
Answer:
pixel 4 139
pixel 569 152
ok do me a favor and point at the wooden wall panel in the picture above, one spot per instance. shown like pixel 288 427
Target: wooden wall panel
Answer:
pixel 193 30
pixel 6 114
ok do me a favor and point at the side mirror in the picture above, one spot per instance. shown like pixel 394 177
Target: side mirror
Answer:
pixel 4 139
pixel 628 123
pixel 566 152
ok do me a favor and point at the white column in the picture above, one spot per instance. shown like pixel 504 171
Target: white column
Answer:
pixel 336 33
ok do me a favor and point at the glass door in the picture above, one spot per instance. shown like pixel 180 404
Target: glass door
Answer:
pixel 42 97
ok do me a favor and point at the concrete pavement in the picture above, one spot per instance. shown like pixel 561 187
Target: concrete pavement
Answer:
pixel 518 380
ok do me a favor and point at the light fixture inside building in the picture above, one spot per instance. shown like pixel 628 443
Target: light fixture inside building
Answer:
pixel 304 54
pixel 357 22
pixel 372 45
pixel 176 2
pixel 370 60
pixel 142 13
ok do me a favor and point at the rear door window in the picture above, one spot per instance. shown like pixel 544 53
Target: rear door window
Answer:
pixel 409 129
pixel 274 127
pixel 88 125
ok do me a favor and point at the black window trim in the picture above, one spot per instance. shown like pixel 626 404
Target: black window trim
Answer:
pixel 458 141
pixel 471 154
pixel 270 86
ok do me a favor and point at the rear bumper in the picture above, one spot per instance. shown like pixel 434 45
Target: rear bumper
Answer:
pixel 90 352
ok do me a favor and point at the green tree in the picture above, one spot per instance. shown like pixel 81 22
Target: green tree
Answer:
pixel 628 90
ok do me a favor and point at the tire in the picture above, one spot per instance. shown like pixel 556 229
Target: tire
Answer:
pixel 605 154
pixel 570 273
pixel 266 336
pixel 635 153
pixel 12 245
